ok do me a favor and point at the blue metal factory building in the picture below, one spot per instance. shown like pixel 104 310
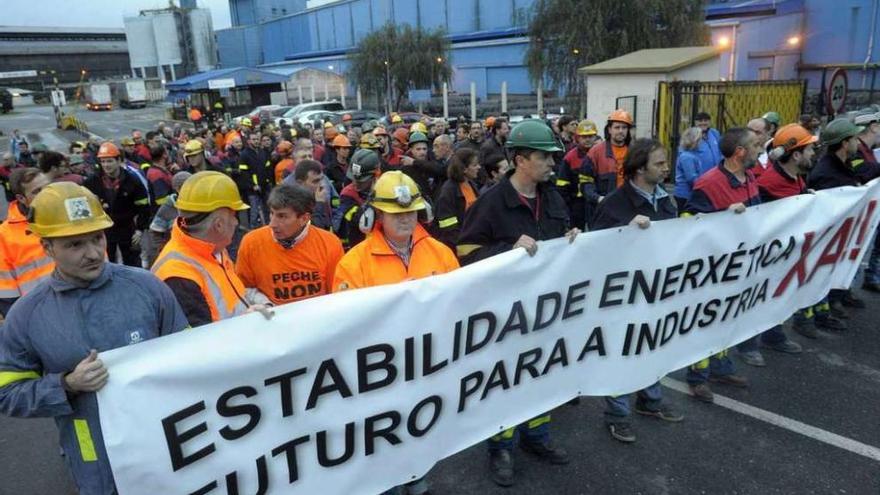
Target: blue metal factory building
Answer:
pixel 762 39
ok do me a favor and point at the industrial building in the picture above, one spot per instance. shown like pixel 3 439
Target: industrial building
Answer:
pixel 171 43
pixel 761 39
pixel 41 54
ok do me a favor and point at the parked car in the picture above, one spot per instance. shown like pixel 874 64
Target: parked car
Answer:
pixel 408 118
pixel 294 112
pixel 263 112
pixel 318 116
pixel 358 117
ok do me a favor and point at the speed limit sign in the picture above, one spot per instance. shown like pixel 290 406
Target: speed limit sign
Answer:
pixel 836 97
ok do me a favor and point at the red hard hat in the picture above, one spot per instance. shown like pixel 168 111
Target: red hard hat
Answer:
pixel 401 135
pixel 108 150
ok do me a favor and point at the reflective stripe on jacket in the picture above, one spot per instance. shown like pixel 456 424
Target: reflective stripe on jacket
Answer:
pixel 192 259
pixel 23 262
pixel 51 329
pixel 373 262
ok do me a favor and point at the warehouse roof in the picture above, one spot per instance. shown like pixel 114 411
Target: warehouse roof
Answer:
pixel 653 60
pixel 244 76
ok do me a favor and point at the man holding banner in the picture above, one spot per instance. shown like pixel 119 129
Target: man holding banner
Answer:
pixel 397 249
pixel 49 365
pixel 639 201
pixel 730 185
pixel 518 212
pixel 194 263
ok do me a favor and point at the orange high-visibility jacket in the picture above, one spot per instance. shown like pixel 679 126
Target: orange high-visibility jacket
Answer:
pixel 372 262
pixel 23 262
pixel 192 259
pixel 287 275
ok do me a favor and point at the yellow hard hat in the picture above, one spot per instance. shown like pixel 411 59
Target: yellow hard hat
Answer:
pixel 396 119
pixel 207 191
pixel 64 209
pixel 396 192
pixel 587 128
pixel 369 141
pixel 193 147
pixel 418 127
pixel 246 122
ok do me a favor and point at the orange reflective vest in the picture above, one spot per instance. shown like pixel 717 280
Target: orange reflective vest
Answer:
pixel 373 262
pixel 192 259
pixel 23 262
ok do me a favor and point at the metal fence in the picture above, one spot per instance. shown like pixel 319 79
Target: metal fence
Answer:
pixel 731 104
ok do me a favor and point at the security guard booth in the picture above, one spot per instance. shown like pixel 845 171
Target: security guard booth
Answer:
pixel 239 88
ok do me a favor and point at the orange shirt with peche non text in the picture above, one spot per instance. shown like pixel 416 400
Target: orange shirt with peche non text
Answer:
pixel 287 275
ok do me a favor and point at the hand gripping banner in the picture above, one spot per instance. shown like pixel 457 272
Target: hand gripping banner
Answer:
pixel 359 391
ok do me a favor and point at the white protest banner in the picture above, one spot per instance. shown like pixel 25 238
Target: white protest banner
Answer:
pixel 359 391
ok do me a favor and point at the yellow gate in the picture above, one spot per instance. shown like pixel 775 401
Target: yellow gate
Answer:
pixel 731 104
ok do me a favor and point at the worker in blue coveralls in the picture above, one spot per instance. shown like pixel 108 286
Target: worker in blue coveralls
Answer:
pixel 49 344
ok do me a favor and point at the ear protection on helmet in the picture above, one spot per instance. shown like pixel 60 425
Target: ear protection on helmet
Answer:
pixel 368 215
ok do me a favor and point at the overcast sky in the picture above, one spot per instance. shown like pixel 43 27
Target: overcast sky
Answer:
pixel 93 13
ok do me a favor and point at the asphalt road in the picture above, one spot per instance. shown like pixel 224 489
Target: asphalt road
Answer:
pixel 833 387
pixel 38 124
pixel 808 423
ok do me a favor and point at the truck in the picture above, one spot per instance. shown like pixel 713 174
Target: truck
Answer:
pixel 130 94
pixel 98 97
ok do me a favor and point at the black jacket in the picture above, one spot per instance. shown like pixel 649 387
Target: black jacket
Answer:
pixel 500 216
pixel 450 212
pixel 427 174
pixel 831 172
pixel 623 204
pixel 490 148
pixel 252 171
pixel 127 204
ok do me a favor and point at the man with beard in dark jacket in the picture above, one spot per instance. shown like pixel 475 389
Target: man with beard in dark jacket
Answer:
pixel 838 167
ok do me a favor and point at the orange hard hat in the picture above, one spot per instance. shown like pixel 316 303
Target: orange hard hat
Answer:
pixel 621 116
pixel 793 136
pixel 490 121
pixel 330 133
pixel 195 114
pixel 108 150
pixel 227 140
pixel 284 148
pixel 346 117
pixel 401 134
pixel 341 141
pixel 380 131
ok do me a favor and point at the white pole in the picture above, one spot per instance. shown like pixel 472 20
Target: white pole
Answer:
pixel 312 87
pixel 445 101
pixel 173 75
pixel 342 92
pixel 473 100
pixel 540 95
pixel 503 96
pixel 299 93
pixel 360 105
pixel 326 91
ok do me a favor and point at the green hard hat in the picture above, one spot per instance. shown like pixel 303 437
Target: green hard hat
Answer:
pixel 772 117
pixel 839 129
pixel 417 137
pixel 363 166
pixel 40 148
pixel 368 126
pixel 533 134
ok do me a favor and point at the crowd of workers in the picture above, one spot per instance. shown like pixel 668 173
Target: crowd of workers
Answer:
pixel 235 219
